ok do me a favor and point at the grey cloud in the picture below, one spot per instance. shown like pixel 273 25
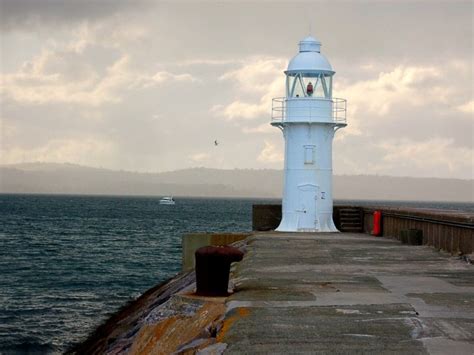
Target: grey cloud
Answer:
pixel 349 31
pixel 161 127
pixel 28 15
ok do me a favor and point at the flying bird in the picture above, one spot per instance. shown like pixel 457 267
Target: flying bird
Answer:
pixel 216 143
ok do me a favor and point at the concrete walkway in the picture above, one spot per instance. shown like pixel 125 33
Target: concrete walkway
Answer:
pixel 347 293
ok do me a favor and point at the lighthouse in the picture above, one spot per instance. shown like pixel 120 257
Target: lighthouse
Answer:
pixel 308 117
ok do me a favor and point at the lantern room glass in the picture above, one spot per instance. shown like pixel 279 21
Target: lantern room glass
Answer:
pixel 297 85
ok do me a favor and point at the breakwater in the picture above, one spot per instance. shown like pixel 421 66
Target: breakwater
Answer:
pixel 303 292
pixel 452 231
pixel 307 292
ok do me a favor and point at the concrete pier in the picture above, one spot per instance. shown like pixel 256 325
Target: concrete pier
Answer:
pixel 348 293
pixel 312 293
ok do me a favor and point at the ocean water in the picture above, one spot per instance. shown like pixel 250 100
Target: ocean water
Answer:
pixel 68 262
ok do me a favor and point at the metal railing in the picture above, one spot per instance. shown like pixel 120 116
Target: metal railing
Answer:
pixel 310 112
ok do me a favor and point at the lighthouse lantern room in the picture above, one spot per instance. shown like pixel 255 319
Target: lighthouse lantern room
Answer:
pixel 308 117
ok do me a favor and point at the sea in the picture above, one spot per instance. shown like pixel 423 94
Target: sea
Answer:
pixel 68 262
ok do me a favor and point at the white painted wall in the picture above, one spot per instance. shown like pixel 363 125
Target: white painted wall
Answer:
pixel 307 194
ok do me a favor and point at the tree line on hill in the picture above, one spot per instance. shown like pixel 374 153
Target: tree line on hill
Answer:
pixel 203 182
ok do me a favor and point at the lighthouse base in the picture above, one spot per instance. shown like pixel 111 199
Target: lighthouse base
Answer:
pixel 292 222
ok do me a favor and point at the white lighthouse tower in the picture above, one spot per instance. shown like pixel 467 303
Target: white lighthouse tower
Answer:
pixel 308 117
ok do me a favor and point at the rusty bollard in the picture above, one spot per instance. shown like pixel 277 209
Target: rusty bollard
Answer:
pixel 213 267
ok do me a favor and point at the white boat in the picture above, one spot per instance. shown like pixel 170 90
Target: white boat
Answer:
pixel 167 200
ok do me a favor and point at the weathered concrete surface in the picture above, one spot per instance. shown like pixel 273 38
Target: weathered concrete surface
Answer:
pixel 347 293
pixel 178 325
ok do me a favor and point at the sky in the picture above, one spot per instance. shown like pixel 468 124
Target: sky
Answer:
pixel 148 86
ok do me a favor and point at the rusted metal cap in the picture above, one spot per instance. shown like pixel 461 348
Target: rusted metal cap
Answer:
pixel 226 253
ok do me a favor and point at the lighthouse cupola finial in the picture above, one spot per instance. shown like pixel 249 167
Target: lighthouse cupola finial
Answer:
pixel 310 44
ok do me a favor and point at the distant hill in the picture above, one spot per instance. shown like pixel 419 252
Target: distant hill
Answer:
pixel 76 179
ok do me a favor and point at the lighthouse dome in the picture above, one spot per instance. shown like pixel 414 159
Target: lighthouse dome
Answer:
pixel 309 59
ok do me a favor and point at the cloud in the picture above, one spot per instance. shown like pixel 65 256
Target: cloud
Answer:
pixel 399 85
pixel 263 128
pixel 200 157
pixel 270 153
pixel 7 131
pixel 26 15
pixel 42 81
pixel 164 76
pixel 384 92
pixel 87 151
pixel 109 33
pixel 239 110
pixel 259 77
pixel 147 80
pixel 396 89
pixel 256 74
pixel 208 62
pixel 433 157
pixel 438 155
pixel 69 77
pixel 468 107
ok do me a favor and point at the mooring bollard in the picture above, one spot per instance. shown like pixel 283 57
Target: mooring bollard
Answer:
pixel 213 267
pixel 415 237
pixel 404 236
pixel 411 236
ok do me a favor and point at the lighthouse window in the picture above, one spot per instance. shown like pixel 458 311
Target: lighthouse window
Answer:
pixel 309 154
pixel 326 86
pixel 299 90
pixel 294 88
pixel 309 85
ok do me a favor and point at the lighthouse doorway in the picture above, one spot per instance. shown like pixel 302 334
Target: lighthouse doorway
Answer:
pixel 307 211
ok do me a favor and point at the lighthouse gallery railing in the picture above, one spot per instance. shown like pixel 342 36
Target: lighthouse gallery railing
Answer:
pixel 311 111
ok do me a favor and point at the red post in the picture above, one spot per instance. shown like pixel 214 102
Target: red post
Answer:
pixel 377 231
